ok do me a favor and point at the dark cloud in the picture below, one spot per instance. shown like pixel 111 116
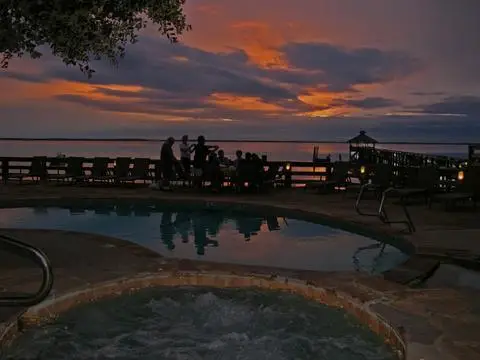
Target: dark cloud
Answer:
pixel 461 105
pixel 427 93
pixel 32 78
pixel 341 68
pixel 168 69
pixel 371 103
pixel 159 65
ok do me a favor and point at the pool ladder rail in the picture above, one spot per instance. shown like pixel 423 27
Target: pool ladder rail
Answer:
pixel 25 250
pixel 382 213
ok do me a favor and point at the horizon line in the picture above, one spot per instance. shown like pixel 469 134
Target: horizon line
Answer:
pixel 235 141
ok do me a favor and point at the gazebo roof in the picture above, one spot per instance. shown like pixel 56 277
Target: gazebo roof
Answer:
pixel 363 138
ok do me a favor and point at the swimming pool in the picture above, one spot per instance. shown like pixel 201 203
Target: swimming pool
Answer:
pixel 222 234
pixel 202 323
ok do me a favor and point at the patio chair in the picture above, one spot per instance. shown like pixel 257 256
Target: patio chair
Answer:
pixel 380 181
pixel 73 171
pixel 122 168
pixel 100 171
pixel 36 171
pixel 421 182
pixel 467 190
pixel 140 171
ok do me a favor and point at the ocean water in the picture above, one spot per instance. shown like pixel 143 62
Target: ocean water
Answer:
pixel 151 149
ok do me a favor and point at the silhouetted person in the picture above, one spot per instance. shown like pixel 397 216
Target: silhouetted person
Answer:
pixel 214 172
pixel 238 158
pixel 200 159
pixel 168 161
pixel 185 156
pixel 223 160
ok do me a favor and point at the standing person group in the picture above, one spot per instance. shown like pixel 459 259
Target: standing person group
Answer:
pixel 209 165
pixel 171 165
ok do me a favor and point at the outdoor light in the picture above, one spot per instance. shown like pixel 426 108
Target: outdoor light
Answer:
pixel 460 176
pixel 288 167
pixel 362 169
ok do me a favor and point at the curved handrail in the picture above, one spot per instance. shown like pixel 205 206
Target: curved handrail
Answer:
pixel 25 250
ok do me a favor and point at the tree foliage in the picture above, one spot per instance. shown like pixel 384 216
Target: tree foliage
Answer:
pixel 79 31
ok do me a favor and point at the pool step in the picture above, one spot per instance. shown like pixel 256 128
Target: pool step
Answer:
pixel 414 271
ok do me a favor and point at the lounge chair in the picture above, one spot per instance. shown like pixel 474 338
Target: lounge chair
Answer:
pixel 421 181
pixel 140 171
pixel 37 170
pixel 122 168
pixel 100 171
pixel 468 190
pixel 382 185
pixel 73 171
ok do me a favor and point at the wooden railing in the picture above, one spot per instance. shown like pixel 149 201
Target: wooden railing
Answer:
pixel 298 172
pixel 294 173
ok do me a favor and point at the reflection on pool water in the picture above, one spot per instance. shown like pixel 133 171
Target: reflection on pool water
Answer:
pixel 190 323
pixel 219 235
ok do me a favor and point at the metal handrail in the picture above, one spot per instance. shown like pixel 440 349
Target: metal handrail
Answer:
pixel 25 250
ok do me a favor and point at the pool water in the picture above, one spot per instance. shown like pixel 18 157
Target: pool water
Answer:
pixel 219 235
pixel 194 324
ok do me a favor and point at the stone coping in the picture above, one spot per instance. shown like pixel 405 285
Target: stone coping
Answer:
pixel 414 270
pixel 52 307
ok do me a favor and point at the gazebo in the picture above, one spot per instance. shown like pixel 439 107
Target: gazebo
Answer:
pixel 361 147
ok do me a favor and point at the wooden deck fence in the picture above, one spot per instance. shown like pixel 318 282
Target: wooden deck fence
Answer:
pixel 301 173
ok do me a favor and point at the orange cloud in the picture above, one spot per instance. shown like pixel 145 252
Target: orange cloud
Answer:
pixel 324 103
pixel 20 91
pixel 251 103
pixel 261 43
pixel 180 58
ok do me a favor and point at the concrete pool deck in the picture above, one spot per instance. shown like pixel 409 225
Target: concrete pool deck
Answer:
pixel 438 323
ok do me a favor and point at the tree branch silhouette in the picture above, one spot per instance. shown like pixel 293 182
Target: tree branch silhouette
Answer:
pixel 79 31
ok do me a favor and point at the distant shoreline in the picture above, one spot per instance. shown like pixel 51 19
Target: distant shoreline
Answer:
pixel 237 141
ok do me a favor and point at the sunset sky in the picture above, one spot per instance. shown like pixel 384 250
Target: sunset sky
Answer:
pixel 270 69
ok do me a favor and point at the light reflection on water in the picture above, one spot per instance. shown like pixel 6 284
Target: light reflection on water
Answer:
pixel 217 235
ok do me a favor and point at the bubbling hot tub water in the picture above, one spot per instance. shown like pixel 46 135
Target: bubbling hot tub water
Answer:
pixel 198 323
